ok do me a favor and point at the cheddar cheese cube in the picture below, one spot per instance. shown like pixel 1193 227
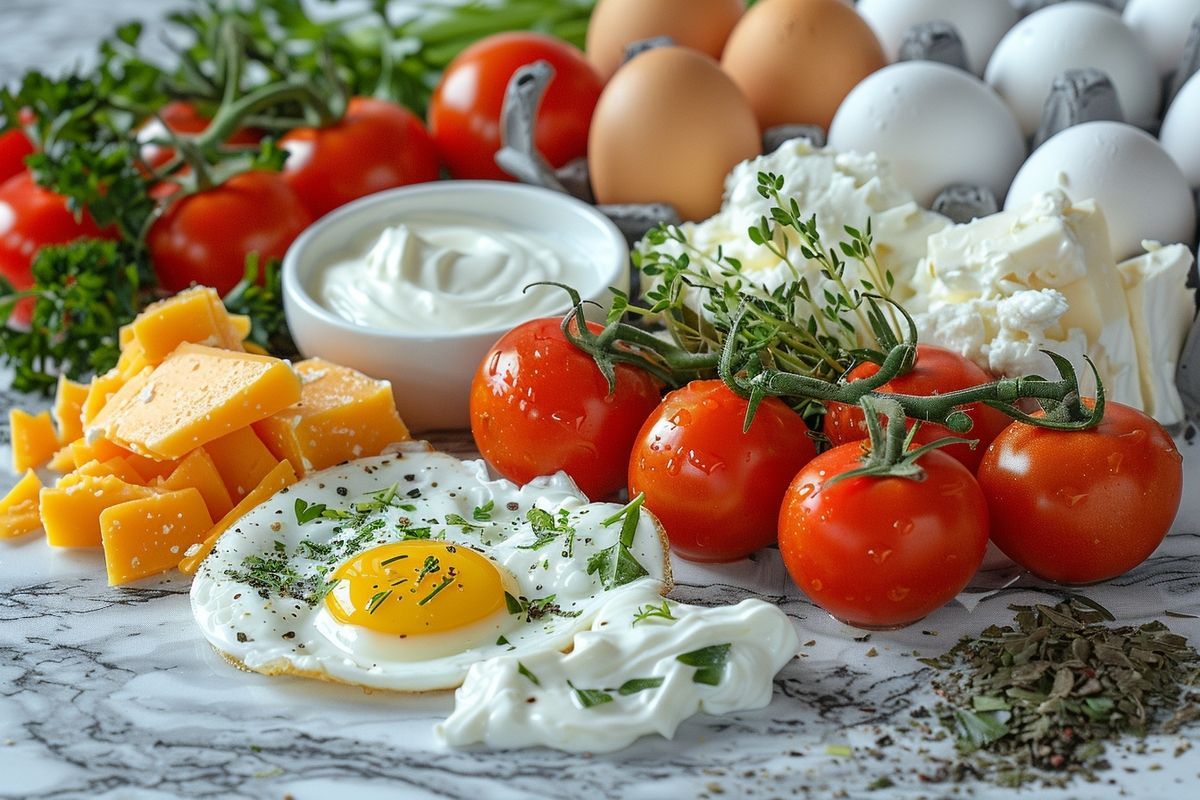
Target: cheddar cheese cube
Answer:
pixel 71 514
pixel 68 409
pixel 63 461
pixel 196 395
pixel 197 471
pixel 282 476
pixel 34 441
pixel 194 315
pixel 114 466
pixel 242 461
pixel 19 508
pixel 150 535
pixel 241 326
pixel 132 361
pixel 102 389
pixel 342 414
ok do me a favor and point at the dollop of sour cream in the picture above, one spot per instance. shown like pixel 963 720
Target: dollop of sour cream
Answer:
pixel 437 275
pixel 630 675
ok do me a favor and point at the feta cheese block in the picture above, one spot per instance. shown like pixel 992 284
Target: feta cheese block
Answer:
pixel 1002 288
pixel 1161 310
pixel 840 189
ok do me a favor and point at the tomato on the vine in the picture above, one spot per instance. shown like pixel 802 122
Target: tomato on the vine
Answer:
pixel 377 145
pixel 936 371
pixel 14 148
pixel 539 404
pixel 182 117
pixel 1083 506
pixel 715 489
pixel 882 552
pixel 33 217
pixel 464 114
pixel 205 237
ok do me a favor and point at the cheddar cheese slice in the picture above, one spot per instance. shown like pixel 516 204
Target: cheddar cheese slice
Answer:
pixel 342 414
pixel 242 461
pixel 19 508
pixel 63 461
pixel 196 395
pixel 197 471
pixel 71 514
pixel 34 441
pixel 195 315
pixel 147 536
pixel 282 476
pixel 68 409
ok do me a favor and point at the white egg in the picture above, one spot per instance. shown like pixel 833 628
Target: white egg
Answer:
pixel 1137 185
pixel 400 572
pixel 1067 36
pixel 1164 26
pixel 1180 133
pixel 980 23
pixel 935 125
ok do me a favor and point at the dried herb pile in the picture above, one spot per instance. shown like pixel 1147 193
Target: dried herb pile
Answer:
pixel 1050 690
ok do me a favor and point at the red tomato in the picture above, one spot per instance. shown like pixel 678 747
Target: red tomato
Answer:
pixel 882 552
pixel 539 405
pixel 717 490
pixel 14 147
pixel 1083 506
pixel 32 217
pixel 937 371
pixel 464 115
pixel 377 145
pixel 205 237
pixel 180 116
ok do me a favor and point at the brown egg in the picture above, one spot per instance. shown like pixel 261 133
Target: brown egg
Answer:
pixel 796 60
pixel 669 127
pixel 703 25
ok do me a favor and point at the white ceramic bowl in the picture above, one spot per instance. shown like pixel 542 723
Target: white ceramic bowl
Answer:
pixel 431 372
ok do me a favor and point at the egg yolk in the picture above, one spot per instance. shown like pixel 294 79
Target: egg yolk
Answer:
pixel 414 588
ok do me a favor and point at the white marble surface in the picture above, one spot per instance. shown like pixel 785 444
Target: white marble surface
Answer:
pixel 113 693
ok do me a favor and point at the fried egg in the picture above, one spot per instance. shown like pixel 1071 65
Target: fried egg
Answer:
pixel 401 572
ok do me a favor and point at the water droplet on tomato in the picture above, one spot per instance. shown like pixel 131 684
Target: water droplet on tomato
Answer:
pixel 706 463
pixel 681 418
pixel 494 364
pixel 816 585
pixel 1114 462
pixel 710 404
pixel 903 526
pixel 879 556
pixel 805 491
pixel 897 593
pixel 1138 435
pixel 673 466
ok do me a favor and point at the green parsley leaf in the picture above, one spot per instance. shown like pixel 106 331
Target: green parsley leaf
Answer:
pixel 654 612
pixel 709 662
pixel 377 600
pixel 307 512
pixel 590 698
pixel 513 604
pixel 639 685
pixel 523 670
pixel 616 565
pixel 446 581
pixel 483 513
pixel 460 521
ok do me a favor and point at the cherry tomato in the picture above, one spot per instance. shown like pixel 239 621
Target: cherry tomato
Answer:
pixel 715 489
pixel 539 405
pixel 205 237
pixel 180 116
pixel 937 371
pixel 32 217
pixel 14 147
pixel 377 145
pixel 464 115
pixel 882 552
pixel 1083 506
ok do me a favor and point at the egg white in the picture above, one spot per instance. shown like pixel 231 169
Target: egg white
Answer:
pixel 288 631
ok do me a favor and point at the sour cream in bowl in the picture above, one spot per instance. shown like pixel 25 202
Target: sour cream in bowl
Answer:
pixel 415 284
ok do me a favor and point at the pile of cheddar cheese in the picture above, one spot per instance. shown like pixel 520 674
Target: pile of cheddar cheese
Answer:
pixel 192 429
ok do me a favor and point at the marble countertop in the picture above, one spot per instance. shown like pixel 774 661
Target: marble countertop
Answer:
pixel 112 692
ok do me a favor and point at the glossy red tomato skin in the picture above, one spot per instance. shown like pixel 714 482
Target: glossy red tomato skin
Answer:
pixel 377 145
pixel 205 237
pixel 715 489
pixel 14 147
pixel 464 114
pixel 180 116
pixel 937 371
pixel 1081 507
pixel 539 405
pixel 32 217
pixel 882 552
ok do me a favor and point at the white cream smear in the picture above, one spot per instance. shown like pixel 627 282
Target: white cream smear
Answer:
pixel 436 275
pixel 629 675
